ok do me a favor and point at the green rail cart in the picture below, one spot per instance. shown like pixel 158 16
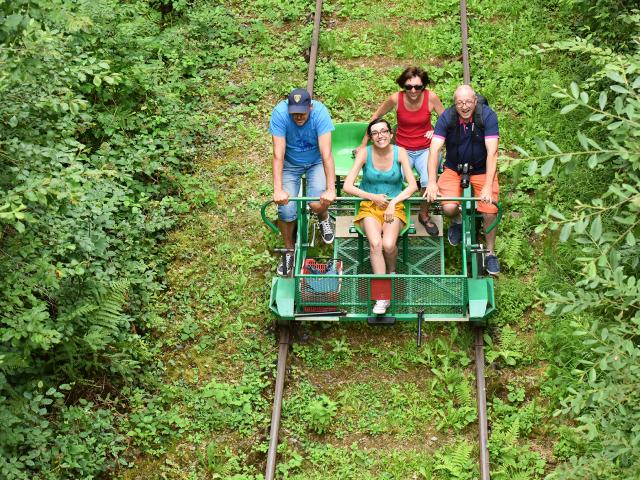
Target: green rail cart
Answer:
pixel 342 287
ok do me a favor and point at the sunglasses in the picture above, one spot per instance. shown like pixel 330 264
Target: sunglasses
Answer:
pixel 408 87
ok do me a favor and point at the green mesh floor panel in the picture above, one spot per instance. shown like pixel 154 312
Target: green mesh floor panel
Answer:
pixel 422 257
pixel 432 293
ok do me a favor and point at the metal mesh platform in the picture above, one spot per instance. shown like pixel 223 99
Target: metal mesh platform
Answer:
pixel 418 285
pixel 421 257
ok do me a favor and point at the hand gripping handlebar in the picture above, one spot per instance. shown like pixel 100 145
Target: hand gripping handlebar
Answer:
pixel 271 225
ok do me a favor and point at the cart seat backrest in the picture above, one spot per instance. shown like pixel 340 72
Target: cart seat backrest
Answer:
pixel 346 137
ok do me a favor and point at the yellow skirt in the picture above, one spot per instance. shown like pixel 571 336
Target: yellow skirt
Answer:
pixel 370 209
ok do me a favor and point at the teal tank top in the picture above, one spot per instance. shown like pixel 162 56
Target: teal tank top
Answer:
pixel 388 183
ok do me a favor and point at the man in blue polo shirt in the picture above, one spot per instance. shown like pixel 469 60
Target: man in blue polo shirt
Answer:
pixel 476 146
pixel 301 133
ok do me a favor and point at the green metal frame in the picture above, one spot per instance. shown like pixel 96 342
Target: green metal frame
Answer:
pixel 420 285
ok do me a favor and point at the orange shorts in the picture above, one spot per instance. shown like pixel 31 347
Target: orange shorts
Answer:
pixel 449 186
pixel 370 209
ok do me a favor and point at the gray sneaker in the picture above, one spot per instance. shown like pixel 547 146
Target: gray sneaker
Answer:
pixel 326 230
pixel 283 270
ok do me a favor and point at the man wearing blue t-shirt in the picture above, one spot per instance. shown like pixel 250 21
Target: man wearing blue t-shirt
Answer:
pixel 472 145
pixel 301 132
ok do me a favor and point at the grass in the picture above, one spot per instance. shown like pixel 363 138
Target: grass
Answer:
pixel 360 403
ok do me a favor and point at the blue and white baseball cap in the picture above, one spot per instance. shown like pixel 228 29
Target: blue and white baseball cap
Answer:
pixel 299 101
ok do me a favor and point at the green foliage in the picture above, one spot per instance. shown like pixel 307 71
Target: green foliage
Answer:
pixel 456 462
pixel 604 399
pixel 512 460
pixel 320 412
pixel 221 462
pixel 568 444
pixel 509 348
pixel 609 22
pixel 515 298
pixel 86 441
pixel 512 422
pixel 317 355
pixel 101 111
pixel 602 229
pixel 442 40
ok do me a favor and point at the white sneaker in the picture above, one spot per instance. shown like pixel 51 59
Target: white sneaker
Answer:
pixel 381 306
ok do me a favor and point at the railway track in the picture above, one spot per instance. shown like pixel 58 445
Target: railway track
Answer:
pixel 285 336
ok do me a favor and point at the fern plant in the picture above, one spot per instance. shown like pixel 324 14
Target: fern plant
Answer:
pixel 99 337
pixel 509 349
pixel 456 462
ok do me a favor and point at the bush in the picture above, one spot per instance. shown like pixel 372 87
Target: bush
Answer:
pixel 81 442
pixel 611 23
pixel 102 108
pixel 601 392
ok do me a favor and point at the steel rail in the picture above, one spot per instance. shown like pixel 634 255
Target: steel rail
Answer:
pixel 283 343
pixel 482 404
pixel 466 71
pixel 313 56
pixel 283 351
pixel 483 429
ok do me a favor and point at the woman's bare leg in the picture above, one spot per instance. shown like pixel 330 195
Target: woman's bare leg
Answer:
pixel 390 232
pixel 372 229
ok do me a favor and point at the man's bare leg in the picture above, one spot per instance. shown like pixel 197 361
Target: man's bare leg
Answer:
pixel 286 229
pixel 488 219
pixel 319 210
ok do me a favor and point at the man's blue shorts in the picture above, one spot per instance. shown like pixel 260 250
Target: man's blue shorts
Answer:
pixel 291 181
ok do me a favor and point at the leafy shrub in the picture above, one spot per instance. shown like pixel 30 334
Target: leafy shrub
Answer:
pixel 609 22
pixel 85 443
pixel 456 462
pixel 515 298
pixel 509 348
pixel 512 460
pixel 101 114
pixel 320 413
pixel 510 425
pixel 601 392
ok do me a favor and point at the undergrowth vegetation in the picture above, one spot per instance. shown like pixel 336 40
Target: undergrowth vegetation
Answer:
pixel 135 339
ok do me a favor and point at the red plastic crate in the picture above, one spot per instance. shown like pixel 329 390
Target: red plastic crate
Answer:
pixel 329 287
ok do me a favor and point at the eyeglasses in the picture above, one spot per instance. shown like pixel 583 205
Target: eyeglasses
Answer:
pixel 461 103
pixel 408 87
pixel 380 132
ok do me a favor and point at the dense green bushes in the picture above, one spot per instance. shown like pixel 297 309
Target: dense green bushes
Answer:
pixel 612 23
pixel 102 106
pixel 596 373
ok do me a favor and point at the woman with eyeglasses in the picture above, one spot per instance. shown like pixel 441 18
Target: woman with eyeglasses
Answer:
pixel 413 106
pixel 382 214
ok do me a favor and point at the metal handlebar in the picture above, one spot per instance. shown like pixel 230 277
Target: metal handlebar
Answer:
pixel 270 224
pixel 265 219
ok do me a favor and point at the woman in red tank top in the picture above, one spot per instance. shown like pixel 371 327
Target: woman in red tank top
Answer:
pixel 413 108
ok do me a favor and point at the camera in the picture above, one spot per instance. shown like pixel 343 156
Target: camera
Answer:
pixel 464 169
